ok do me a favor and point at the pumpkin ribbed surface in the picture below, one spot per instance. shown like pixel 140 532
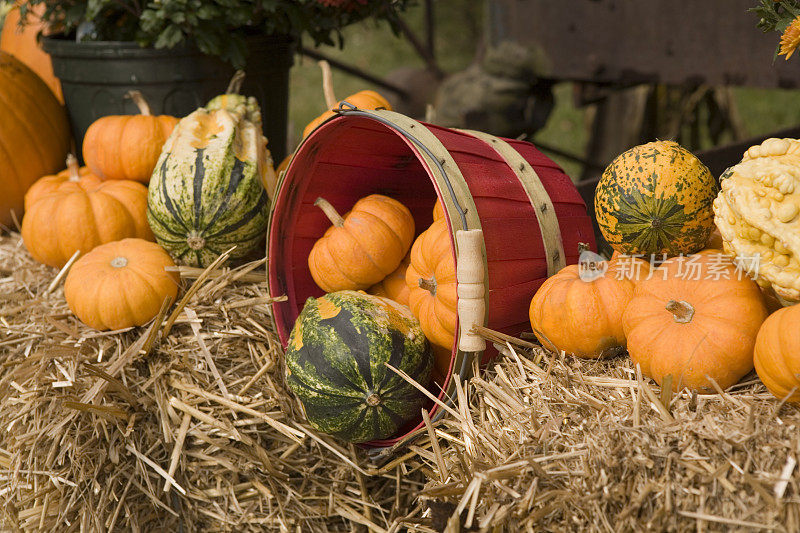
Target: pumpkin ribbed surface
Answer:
pixel 777 353
pixel 206 193
pixel 83 215
pixel 336 364
pixel 50 184
pixel 696 318
pixel 581 316
pixel 654 199
pixel 126 147
pixel 120 284
pixel 364 246
pixel 431 279
pixel 34 134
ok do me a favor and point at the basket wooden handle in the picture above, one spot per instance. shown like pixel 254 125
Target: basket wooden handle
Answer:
pixel 471 288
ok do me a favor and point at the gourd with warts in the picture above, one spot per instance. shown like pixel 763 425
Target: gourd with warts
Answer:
pixel 758 215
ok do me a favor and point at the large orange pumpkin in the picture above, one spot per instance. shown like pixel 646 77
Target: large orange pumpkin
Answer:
pixel 431 280
pixel 22 43
pixel 34 134
pixel 50 184
pixel 81 215
pixel 579 310
pixel 777 353
pixel 127 147
pixel 364 246
pixel 120 284
pixel 696 318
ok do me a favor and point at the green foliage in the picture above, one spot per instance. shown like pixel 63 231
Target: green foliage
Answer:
pixel 216 27
pixel 776 16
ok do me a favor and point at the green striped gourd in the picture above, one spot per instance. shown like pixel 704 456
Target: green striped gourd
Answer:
pixel 206 193
pixel 336 364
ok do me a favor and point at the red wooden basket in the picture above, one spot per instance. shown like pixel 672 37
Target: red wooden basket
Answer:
pixel 516 208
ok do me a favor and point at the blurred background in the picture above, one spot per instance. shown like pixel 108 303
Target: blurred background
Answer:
pixel 474 62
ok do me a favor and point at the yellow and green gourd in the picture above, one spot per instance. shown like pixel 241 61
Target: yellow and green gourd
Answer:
pixel 656 198
pixel 758 215
pixel 206 193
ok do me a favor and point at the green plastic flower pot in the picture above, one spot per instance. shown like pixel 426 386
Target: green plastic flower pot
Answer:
pixel 95 77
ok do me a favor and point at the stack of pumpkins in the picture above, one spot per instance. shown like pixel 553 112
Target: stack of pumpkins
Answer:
pixel 342 342
pixel 206 196
pixel 696 315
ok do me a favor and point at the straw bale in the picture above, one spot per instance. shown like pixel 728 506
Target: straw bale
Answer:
pixel 186 425
pixel 189 431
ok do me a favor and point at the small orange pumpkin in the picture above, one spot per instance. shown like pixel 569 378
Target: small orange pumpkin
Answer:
pixel 127 147
pixel 363 100
pixel 696 318
pixel 50 184
pixel 394 285
pixel 579 310
pixel 83 214
pixel 364 246
pixel 777 353
pixel 431 280
pixel 120 284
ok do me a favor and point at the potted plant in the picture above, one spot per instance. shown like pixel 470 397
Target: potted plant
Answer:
pixel 180 53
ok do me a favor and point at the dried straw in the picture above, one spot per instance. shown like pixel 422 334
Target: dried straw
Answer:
pixel 194 430
pixel 191 431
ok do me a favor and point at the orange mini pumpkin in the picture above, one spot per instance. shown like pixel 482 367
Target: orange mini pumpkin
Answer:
pixel 120 284
pixel 394 285
pixel 363 100
pixel 364 246
pixel 127 147
pixel 431 279
pixel 777 353
pixel 50 184
pixel 83 214
pixel 696 318
pixel 579 310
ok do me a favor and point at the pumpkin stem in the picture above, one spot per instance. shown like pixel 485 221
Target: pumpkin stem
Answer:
pixel 327 85
pixel 428 284
pixel 235 84
pixel 583 247
pixel 330 212
pixel 141 103
pixel 73 168
pixel 682 312
pixel 373 400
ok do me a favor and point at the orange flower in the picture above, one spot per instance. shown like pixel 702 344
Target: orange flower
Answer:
pixel 790 39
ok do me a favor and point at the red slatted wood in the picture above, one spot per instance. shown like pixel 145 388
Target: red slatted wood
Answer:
pixel 351 157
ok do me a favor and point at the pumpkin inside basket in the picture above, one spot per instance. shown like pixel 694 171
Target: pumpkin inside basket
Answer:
pixel 483 182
